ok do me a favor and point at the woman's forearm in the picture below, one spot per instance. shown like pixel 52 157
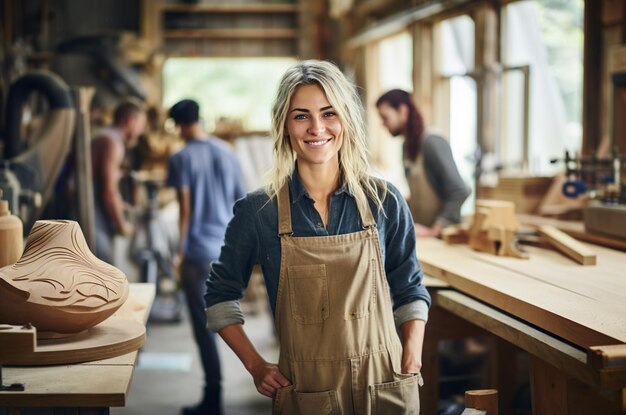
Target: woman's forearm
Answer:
pixel 412 343
pixel 267 377
pixel 238 341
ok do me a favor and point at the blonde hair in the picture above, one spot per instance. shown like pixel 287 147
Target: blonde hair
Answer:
pixel 342 95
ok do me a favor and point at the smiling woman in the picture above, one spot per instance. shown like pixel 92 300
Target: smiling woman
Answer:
pixel 337 250
pixel 314 130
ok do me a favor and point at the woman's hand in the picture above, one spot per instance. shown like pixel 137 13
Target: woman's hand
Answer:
pixel 424 231
pixel 268 378
pixel 411 361
pixel 412 341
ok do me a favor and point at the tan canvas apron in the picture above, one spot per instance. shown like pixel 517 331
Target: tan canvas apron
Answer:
pixel 338 342
pixel 424 202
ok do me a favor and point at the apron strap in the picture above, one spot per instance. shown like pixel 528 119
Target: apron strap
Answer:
pixel 284 211
pixel 367 219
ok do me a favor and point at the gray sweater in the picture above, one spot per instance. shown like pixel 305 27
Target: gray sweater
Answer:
pixel 443 175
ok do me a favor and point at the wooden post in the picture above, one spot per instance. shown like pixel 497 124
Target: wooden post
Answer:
pixel 482 399
pixel 82 152
pixel 503 366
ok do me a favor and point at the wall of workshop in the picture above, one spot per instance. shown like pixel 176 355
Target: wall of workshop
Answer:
pixel 38 28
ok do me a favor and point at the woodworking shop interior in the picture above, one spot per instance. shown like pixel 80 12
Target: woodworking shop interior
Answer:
pixel 145 267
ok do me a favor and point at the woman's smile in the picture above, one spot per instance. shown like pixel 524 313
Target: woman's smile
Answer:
pixel 314 128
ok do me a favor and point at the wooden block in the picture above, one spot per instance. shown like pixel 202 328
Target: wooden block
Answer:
pixel 454 234
pixel 483 399
pixel 73 385
pixel 610 356
pixel 14 339
pixel 113 337
pixel 568 245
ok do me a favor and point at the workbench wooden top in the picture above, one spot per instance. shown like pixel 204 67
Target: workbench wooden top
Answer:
pixel 585 305
pixel 102 383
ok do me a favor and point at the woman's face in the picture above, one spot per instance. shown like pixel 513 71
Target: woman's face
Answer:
pixel 314 128
pixel 393 119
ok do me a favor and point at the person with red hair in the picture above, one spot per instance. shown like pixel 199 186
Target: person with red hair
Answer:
pixel 437 189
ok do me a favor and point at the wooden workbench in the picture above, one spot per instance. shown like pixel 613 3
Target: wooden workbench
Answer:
pixel 547 305
pixel 90 387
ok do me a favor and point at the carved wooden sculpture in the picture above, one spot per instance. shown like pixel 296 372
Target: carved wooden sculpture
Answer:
pixel 493 229
pixel 58 285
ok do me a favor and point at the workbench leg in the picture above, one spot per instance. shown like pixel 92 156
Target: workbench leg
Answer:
pixel 555 393
pixel 503 371
pixel 429 393
pixel 442 325
pixel 548 388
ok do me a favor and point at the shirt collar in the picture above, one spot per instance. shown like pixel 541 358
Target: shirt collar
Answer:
pixel 297 189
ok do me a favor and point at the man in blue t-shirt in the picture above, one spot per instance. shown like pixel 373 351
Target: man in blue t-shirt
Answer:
pixel 208 181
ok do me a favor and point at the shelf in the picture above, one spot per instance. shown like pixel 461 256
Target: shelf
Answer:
pixel 230 34
pixel 232 8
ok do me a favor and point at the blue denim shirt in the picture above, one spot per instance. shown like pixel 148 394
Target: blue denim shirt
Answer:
pixel 252 238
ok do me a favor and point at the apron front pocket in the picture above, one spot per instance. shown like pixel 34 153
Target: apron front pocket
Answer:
pixel 308 293
pixel 398 397
pixel 288 401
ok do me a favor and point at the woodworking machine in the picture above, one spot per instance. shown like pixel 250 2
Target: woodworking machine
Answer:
pixel 599 179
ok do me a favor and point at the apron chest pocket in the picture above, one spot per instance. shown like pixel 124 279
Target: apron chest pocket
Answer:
pixel 399 397
pixel 308 293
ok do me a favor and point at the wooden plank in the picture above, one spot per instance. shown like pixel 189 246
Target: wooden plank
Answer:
pixel 575 229
pixel 151 23
pixel 232 8
pixel 125 359
pixel 430 282
pixel 579 318
pixel 568 245
pixel 140 298
pixel 113 337
pixel 74 385
pixel 602 282
pixel 230 34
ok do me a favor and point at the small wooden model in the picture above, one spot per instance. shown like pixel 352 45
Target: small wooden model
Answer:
pixel 493 228
pixel 58 285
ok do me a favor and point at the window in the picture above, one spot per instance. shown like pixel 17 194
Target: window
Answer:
pixel 389 66
pixel 542 46
pixel 239 89
pixel 455 69
pixel 396 62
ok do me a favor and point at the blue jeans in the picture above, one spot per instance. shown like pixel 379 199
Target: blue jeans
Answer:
pixel 193 278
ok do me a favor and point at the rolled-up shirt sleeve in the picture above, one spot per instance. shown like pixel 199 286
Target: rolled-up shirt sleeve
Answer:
pixel 404 273
pixel 230 274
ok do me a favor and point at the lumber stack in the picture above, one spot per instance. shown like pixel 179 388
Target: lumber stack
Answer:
pixel 526 192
